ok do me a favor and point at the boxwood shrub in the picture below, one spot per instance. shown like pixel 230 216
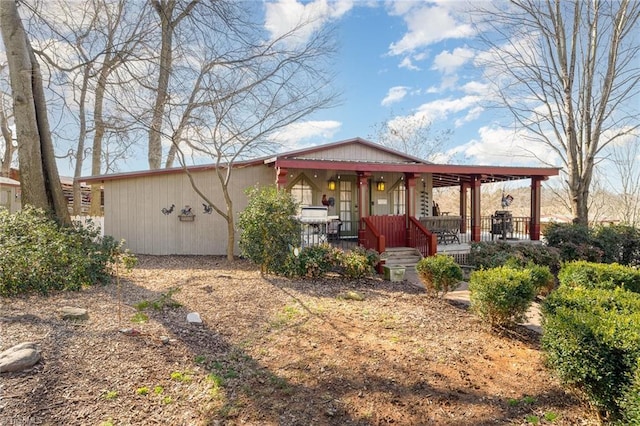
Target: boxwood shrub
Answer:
pixel 502 295
pixel 592 340
pixel 38 255
pixel 599 275
pixel 439 274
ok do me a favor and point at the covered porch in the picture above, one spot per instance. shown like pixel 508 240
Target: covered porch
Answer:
pixel 384 199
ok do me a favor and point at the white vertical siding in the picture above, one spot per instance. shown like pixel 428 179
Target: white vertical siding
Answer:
pixel 133 210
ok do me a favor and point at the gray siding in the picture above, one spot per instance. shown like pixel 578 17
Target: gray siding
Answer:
pixel 353 152
pixel 133 211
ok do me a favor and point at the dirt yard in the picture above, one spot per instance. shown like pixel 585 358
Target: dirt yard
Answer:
pixel 270 351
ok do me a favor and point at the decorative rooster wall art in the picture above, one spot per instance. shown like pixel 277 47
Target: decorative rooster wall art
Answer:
pixel 166 211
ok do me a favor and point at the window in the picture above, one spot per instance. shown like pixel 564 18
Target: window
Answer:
pixel 302 192
pixel 398 195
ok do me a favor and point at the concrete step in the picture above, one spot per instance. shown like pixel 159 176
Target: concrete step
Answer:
pixel 404 261
pixel 401 256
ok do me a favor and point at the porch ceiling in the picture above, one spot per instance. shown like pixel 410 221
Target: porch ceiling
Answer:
pixel 443 174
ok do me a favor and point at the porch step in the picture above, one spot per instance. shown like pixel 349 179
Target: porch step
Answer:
pixel 401 256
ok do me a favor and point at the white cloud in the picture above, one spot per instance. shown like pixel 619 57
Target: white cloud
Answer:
pixel 441 109
pixel 282 16
pixel 475 88
pixel 292 135
pixel 473 114
pixel 428 24
pixel 395 94
pixel 408 64
pixel 500 146
pixel 448 62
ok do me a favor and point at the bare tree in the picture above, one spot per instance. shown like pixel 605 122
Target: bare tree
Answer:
pixel 39 179
pixel 411 134
pixel 568 72
pixel 170 13
pixel 247 95
pixel 96 41
pixel 626 182
pixel 6 115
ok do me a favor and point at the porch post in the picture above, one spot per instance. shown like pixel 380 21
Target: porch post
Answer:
pixel 476 219
pixel 410 193
pixel 410 207
pixel 281 178
pixel 363 194
pixel 534 227
pixel 363 203
pixel 464 188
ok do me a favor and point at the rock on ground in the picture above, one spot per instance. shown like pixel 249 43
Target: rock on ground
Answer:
pixel 19 357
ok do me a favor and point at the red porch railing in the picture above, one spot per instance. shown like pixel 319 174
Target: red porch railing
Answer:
pixel 419 237
pixel 392 227
pixel 380 232
pixel 370 237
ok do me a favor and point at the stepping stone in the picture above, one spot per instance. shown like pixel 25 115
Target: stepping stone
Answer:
pixel 194 318
pixel 19 357
pixel 71 313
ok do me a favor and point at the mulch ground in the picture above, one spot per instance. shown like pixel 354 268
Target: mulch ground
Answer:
pixel 270 351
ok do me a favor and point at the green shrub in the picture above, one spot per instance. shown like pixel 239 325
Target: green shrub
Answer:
pixel 486 255
pixel 630 403
pixel 268 228
pixel 543 280
pixel 592 340
pixel 38 255
pixel 439 274
pixel 599 275
pixel 619 244
pixel 312 262
pixel 574 241
pixel 501 296
pixel 357 263
pixel 494 254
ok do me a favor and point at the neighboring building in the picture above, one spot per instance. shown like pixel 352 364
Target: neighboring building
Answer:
pixel 10 194
pixel 369 186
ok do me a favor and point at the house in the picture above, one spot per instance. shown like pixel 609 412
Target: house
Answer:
pixel 378 194
pixel 10 194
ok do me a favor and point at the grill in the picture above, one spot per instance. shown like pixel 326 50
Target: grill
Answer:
pixel 317 226
pixel 314 215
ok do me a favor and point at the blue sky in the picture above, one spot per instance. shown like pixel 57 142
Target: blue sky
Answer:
pixel 406 58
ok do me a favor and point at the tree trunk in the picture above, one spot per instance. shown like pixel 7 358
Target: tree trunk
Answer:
pixel 95 209
pixel 82 135
pixel 39 179
pixel 165 12
pixel 9 148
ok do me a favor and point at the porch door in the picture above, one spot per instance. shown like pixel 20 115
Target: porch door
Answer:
pixel 347 208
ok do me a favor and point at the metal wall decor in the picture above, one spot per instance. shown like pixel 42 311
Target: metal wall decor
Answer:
pixel 186 215
pixel 166 211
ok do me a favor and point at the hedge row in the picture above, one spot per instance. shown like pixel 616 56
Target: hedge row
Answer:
pixel 592 336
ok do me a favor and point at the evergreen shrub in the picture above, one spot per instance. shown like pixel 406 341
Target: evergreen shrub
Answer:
pixel 268 228
pixel 599 275
pixel 592 340
pixel 439 274
pixel 39 255
pixel 619 244
pixel 502 295
pixel 574 241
